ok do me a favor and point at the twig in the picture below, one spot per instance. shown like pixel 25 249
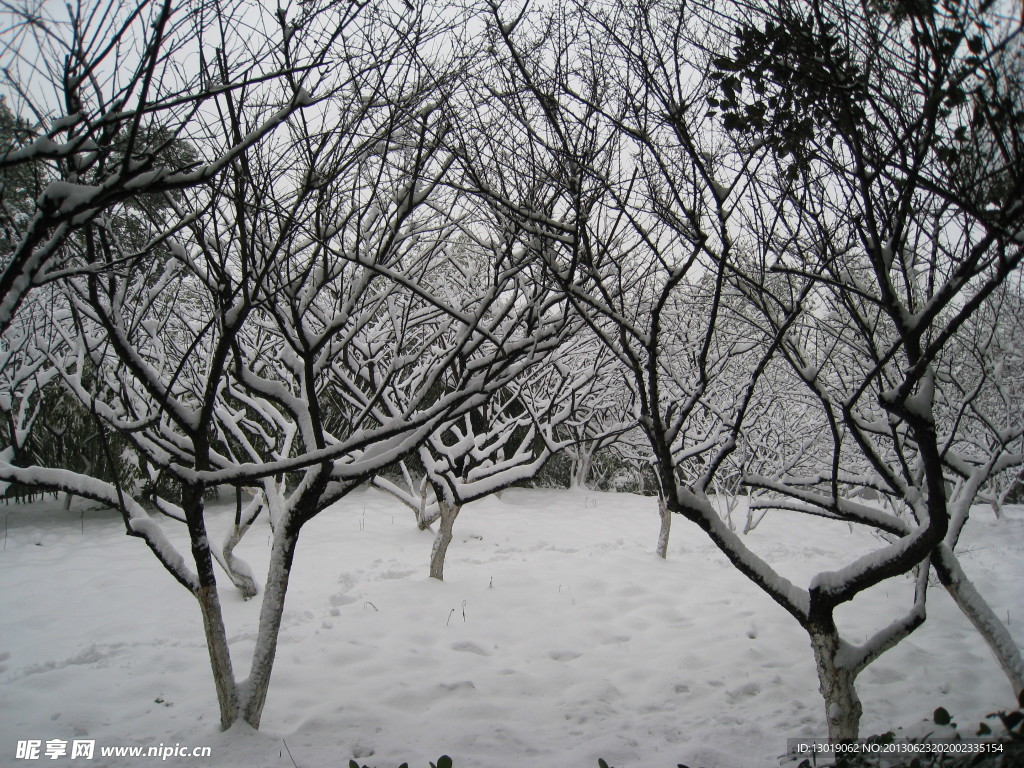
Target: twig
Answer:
pixel 289 753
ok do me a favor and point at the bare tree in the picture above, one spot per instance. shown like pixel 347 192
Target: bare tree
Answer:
pixel 25 375
pixel 279 327
pixel 909 204
pixel 416 494
pixel 106 94
pixel 505 441
pixel 602 421
pixel 786 189
pixel 376 243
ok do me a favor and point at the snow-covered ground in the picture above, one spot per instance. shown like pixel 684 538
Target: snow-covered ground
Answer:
pixel 557 638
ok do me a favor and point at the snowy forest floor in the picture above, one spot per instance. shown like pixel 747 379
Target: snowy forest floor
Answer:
pixel 557 638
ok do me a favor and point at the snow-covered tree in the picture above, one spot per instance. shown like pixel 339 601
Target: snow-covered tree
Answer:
pixel 507 440
pixel 25 376
pixel 986 367
pixel 786 186
pixel 343 240
pixel 603 421
pixel 900 211
pixel 103 96
pixel 279 329
pixel 415 493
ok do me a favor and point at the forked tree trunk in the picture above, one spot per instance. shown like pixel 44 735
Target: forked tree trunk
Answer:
pixel 444 537
pixel 666 527
pixel 423 520
pixel 836 683
pixel 254 690
pixel 582 463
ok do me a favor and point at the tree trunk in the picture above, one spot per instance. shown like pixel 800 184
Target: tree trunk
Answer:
pixel 981 615
pixel 423 520
pixel 583 461
pixel 444 537
pixel 255 688
pixel 237 569
pixel 666 527
pixel 836 681
pixel 220 654
pixel 209 605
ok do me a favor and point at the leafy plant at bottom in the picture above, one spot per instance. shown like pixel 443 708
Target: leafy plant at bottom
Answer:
pixel 442 762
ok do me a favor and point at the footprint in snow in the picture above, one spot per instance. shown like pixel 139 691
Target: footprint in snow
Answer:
pixel 396 574
pixel 462 685
pixel 746 690
pixel 347 580
pixel 468 647
pixel 564 655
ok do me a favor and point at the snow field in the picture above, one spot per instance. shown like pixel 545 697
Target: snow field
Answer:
pixel 557 638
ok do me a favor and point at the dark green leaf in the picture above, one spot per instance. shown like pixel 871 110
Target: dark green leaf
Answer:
pixel 1012 719
pixel 941 716
pixel 956 96
pixel 444 762
pixel 975 44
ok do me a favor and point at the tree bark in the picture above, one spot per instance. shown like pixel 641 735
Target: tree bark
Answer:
pixel 583 461
pixel 220 654
pixel 666 528
pixel 210 607
pixel 444 537
pixel 423 520
pixel 981 615
pixel 255 688
pixel 836 683
pixel 237 569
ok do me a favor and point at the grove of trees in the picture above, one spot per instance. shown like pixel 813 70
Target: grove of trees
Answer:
pixel 765 255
